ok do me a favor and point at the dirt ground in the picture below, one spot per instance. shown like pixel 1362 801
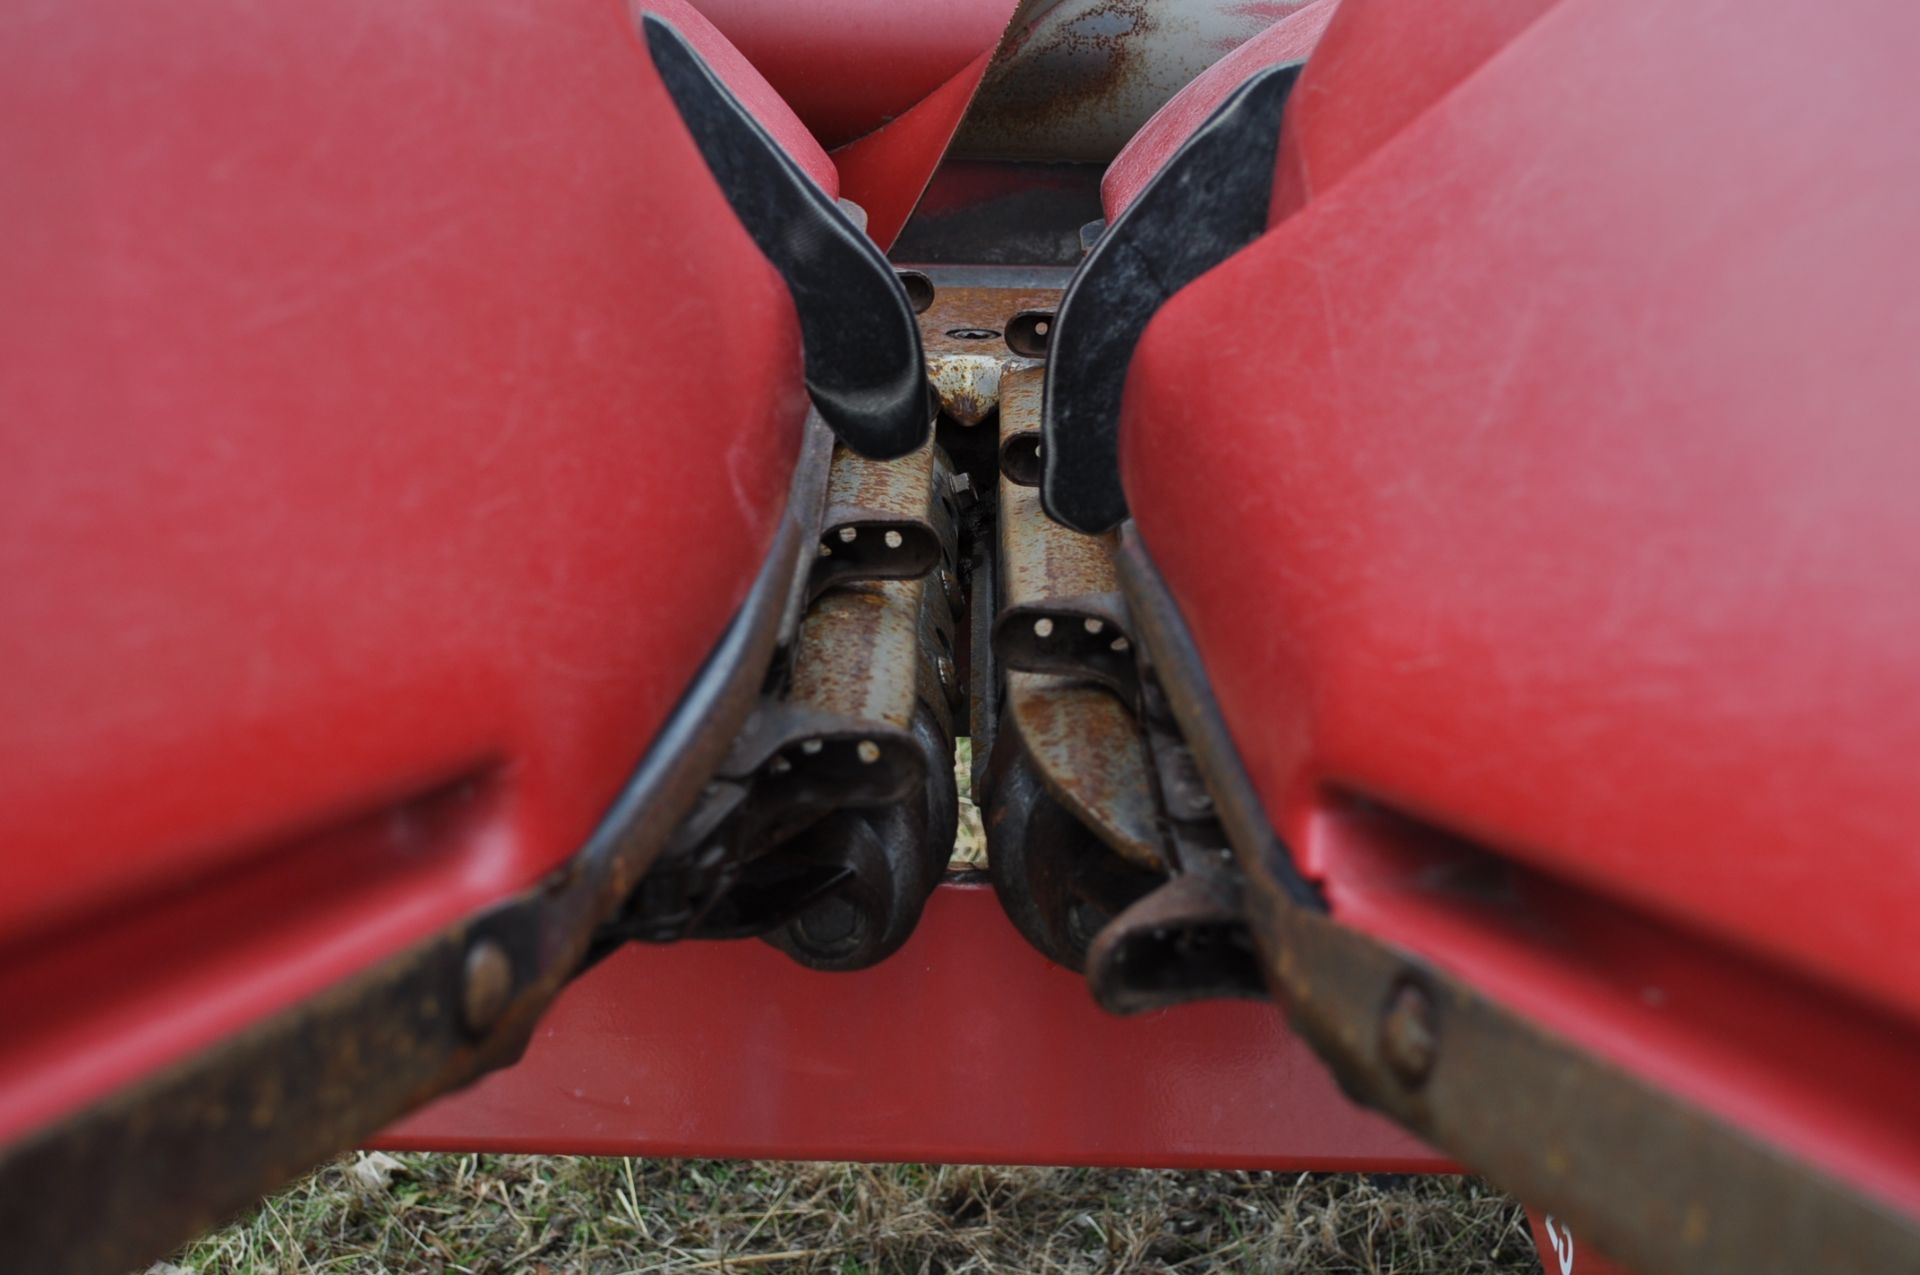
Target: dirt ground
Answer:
pixel 552 1214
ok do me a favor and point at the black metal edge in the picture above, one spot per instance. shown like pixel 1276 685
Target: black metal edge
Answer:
pixel 1187 941
pixel 1208 201
pixel 123 1181
pixel 864 365
pixel 1160 628
pixel 1644 1176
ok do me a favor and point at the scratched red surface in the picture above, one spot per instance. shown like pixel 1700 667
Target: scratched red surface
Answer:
pixel 1547 479
pixel 395 417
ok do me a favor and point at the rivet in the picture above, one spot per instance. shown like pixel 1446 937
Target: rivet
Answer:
pixel 1043 627
pixel 847 534
pixel 894 540
pixel 1409 1037
pixel 486 985
pixel 868 751
pixel 1094 625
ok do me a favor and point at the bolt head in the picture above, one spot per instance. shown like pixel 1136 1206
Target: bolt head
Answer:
pixel 1409 1034
pixel 486 986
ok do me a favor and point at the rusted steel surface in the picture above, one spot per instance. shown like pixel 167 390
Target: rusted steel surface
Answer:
pixel 859 652
pixel 1020 400
pixel 875 656
pixel 1027 333
pixel 884 489
pixel 1654 1180
pixel 843 736
pixel 796 763
pixel 1058 882
pixel 1041 561
pixel 1087 748
pixel 154 1165
pixel 1187 941
pixel 964 331
pixel 833 815
pixel 1073 834
pixel 880 522
pixel 1061 610
pixel 1077 80
pixel 868 650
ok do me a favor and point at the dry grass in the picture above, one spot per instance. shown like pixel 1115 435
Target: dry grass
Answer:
pixel 970 838
pixel 498 1213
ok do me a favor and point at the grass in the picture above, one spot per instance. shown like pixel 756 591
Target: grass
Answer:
pixel 970 838
pixel 552 1214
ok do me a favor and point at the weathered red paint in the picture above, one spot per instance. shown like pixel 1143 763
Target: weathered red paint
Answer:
pixel 1561 1251
pixel 1291 39
pixel 1374 72
pixel 966 1046
pixel 750 87
pixel 887 170
pixel 850 66
pixel 396 414
pixel 1548 481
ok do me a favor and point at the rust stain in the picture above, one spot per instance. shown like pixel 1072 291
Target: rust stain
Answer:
pixel 1041 560
pixel 1021 394
pixel 964 332
pixel 896 487
pixel 883 518
pixel 1076 58
pixel 1083 740
pixel 1087 749
pixel 968 386
pixel 1083 77
pixel 859 651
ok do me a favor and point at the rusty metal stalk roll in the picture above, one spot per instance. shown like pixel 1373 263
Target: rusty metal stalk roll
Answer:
pixel 884 520
pixel 1020 396
pixel 1061 610
pixel 875 656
